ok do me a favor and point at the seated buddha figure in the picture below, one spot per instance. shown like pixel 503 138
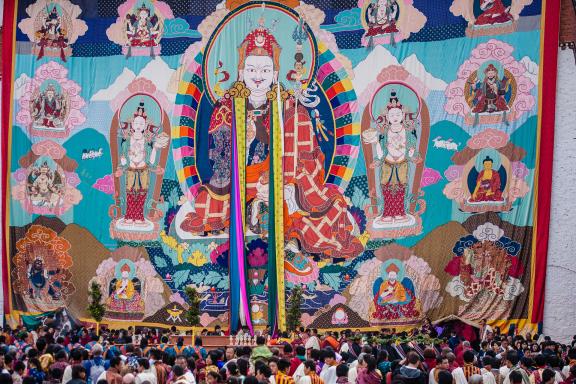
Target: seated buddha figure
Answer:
pixel 394 296
pixel 493 12
pixel 487 184
pixel 125 295
pixel 391 291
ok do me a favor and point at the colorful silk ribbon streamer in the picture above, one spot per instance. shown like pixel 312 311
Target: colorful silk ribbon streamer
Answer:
pixel 239 304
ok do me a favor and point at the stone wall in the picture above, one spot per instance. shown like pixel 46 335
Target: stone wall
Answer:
pixel 560 302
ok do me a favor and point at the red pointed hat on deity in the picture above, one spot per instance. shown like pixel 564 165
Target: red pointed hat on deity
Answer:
pixel 490 67
pixel 125 268
pixel 392 268
pixel 259 42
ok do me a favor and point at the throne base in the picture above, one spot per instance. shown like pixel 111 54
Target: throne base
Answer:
pixel 128 316
pixel 493 29
pixel 53 51
pixel 142 51
pixel 56 132
pixel 485 206
pixel 414 317
pixel 394 230
pixel 120 229
pixel 489 118
pixel 400 322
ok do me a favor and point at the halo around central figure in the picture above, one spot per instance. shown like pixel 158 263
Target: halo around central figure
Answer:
pixel 264 122
pixel 222 65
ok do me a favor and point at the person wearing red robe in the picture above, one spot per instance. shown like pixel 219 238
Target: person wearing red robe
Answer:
pixel 330 341
pixel 494 12
pixel 316 218
pixel 488 184
pixel 489 96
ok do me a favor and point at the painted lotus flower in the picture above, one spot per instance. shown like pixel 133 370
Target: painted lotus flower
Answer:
pixel 220 255
pixel 359 216
pixel 257 253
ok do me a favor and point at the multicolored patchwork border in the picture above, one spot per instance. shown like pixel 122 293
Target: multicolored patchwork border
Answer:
pixel 185 114
pixel 339 91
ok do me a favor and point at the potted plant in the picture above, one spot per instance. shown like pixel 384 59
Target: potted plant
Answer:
pixel 192 315
pixel 294 311
pixel 96 308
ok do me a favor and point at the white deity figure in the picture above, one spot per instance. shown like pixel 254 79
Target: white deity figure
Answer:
pixel 139 150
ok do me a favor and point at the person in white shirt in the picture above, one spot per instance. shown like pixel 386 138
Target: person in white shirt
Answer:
pixel 76 357
pixel 486 331
pixel 571 373
pixel 572 361
pixel 513 364
pixel 344 346
pixel 328 373
pixel 145 373
pixel 34 336
pixel 313 341
pixel 6 362
pixel 188 375
pixel 566 370
pixel 442 364
pixel 504 370
pixel 556 365
pixel 19 369
pixel 463 374
pixel 299 373
pixel 486 371
pixel 179 375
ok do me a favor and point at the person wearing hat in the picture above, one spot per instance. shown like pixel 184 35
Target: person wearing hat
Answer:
pixel 490 93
